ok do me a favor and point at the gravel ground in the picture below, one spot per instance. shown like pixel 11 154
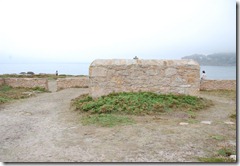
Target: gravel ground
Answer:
pixel 45 129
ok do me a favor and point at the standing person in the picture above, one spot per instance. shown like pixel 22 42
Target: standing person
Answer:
pixel 135 58
pixel 56 73
pixel 203 77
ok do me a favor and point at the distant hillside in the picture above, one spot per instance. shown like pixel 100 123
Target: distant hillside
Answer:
pixel 218 59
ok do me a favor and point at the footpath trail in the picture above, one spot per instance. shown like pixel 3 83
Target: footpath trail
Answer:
pixel 30 128
pixel 45 129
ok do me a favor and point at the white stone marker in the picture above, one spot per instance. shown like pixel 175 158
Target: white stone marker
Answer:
pixel 183 123
pixel 206 122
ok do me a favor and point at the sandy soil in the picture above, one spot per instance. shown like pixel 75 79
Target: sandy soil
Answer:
pixel 45 129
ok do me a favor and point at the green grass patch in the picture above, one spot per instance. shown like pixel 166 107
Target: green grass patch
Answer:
pixel 140 103
pixel 191 114
pixel 40 89
pixel 221 156
pixel 8 93
pixel 5 88
pixel 4 100
pixel 217 137
pixel 109 110
pixel 226 152
pixel 106 120
pixel 215 159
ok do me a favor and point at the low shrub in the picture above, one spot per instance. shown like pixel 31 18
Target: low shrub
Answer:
pixel 140 103
pixel 225 152
pixel 221 156
pixel 3 100
pixel 233 116
pixel 39 89
pixel 8 93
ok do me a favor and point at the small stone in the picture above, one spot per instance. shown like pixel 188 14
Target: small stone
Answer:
pixel 206 122
pixel 25 113
pixel 28 113
pixel 183 123
pixel 230 123
pixel 233 157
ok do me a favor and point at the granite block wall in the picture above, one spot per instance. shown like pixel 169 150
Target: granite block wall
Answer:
pixel 27 82
pixel 1 81
pixel 78 82
pixel 160 76
pixel 218 85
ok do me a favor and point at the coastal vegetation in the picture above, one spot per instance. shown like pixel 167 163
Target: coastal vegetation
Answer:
pixel 219 159
pixel 137 103
pixel 222 155
pixel 8 93
pixel 48 76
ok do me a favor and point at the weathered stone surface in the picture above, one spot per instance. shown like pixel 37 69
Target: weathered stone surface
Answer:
pixel 73 82
pixel 160 76
pixel 218 85
pixel 27 82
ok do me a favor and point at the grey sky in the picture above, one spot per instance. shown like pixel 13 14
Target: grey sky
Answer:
pixel 84 30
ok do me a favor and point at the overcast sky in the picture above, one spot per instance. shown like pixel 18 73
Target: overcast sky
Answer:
pixel 84 30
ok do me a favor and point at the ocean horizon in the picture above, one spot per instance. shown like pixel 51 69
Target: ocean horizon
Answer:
pixel 212 72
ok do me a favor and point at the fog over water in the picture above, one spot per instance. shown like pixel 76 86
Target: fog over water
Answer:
pixel 63 31
pixel 48 35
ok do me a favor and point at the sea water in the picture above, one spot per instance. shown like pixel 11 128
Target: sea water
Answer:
pixel 62 68
pixel 212 72
pixel 219 72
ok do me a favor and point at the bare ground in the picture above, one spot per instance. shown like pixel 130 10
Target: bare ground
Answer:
pixel 45 129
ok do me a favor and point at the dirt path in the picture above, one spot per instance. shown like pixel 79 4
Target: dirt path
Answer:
pixel 44 129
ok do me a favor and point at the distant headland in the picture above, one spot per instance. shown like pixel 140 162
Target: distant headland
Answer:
pixel 216 59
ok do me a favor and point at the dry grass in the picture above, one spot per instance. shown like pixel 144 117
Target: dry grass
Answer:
pixel 8 93
pixel 230 94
